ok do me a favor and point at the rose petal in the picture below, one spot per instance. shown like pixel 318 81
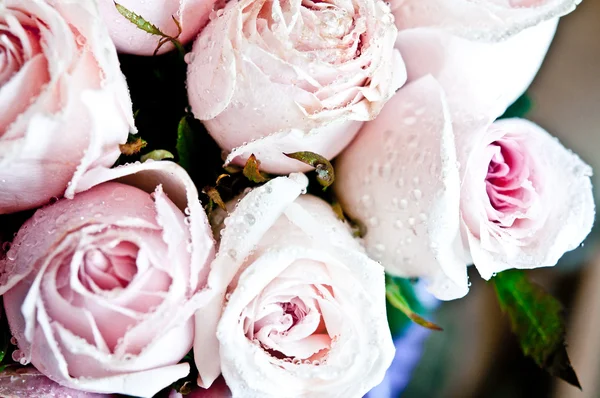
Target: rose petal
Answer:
pixel 410 209
pixel 486 20
pixel 478 78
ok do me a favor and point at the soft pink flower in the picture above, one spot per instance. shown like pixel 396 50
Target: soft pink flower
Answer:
pixel 192 15
pixel 274 76
pixel 100 290
pixel 64 104
pixel 437 192
pixel 485 20
pixel 305 307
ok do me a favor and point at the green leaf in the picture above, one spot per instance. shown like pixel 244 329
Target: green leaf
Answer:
pixel 252 170
pixel 397 299
pixel 139 21
pixel 536 319
pixel 521 107
pixel 185 143
pixel 157 154
pixel 324 169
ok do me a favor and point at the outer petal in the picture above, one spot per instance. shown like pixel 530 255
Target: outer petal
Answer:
pixel 29 382
pixel 568 196
pixel 400 179
pixel 327 141
pixel 128 38
pixel 478 78
pixel 485 20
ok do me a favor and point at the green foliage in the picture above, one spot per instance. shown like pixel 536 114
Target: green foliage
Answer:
pixel 536 319
pixel 139 21
pixel 400 296
pixel 520 108
pixel 323 169
pixel 148 27
pixel 186 144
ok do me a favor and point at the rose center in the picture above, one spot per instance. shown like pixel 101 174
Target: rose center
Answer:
pixel 334 22
pixel 289 330
pixel 109 269
pixel 508 183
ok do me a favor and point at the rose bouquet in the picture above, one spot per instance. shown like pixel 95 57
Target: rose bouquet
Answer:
pixel 173 221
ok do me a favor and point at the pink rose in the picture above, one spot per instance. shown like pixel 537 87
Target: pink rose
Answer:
pixel 305 307
pixel 487 20
pixel 100 291
pixel 275 76
pixel 438 192
pixel 525 199
pixel 64 104
pixel 192 15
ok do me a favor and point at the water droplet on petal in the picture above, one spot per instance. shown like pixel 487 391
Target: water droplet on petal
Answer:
pixel 250 219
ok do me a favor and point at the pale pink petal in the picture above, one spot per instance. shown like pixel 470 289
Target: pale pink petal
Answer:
pixel 478 78
pixel 484 20
pixel 401 180
pixel 28 382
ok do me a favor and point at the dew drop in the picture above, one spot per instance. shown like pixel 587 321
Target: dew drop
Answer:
pixel 250 219
pixel 373 221
pixel 400 182
pixel 404 203
pixel 17 355
pixel 365 200
pixel 417 194
pixel 411 221
pixel 409 121
pixel 119 194
pixel 399 224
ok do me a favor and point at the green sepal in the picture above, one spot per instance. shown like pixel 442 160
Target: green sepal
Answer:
pixel 323 168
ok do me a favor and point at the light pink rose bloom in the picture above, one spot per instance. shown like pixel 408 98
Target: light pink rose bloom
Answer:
pixel 437 192
pixel 192 15
pixel 486 20
pixel 64 104
pixel 28 382
pixel 305 307
pixel 100 291
pixel 274 76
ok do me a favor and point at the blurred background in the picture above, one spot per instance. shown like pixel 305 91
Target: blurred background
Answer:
pixel 477 355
